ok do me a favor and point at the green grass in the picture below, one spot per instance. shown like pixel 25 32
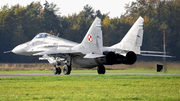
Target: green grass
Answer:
pixel 91 88
pixel 27 71
pixel 136 70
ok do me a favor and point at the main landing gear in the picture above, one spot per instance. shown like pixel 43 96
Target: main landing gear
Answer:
pixel 66 70
pixel 101 69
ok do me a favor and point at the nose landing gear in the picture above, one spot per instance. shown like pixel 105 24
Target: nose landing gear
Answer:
pixel 56 70
pixel 66 70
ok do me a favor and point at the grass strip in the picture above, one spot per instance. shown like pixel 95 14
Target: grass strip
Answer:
pixel 91 88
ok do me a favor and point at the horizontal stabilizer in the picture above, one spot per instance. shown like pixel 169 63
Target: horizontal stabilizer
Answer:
pixel 166 56
pixel 153 52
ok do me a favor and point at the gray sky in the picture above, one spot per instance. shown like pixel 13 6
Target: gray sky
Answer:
pixel 115 7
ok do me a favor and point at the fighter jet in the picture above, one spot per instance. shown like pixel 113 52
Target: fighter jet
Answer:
pixel 89 53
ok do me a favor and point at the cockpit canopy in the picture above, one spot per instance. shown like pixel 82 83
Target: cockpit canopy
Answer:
pixel 41 35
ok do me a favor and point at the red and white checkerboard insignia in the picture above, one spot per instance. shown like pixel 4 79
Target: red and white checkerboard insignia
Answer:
pixel 90 38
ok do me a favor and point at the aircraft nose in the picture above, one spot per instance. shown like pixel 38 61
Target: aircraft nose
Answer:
pixel 17 50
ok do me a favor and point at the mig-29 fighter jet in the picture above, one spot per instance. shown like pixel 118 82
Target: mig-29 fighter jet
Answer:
pixel 87 54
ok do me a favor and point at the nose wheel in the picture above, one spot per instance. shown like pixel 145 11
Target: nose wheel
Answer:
pixel 66 70
pixel 56 70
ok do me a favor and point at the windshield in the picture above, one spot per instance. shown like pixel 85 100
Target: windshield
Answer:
pixel 40 35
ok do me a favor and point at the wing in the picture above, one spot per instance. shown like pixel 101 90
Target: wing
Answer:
pixel 58 55
pixel 54 52
pixel 60 52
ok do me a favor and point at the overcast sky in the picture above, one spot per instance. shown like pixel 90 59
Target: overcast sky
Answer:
pixel 115 7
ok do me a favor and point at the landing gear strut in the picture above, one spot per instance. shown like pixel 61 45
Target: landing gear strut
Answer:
pixel 101 69
pixel 56 70
pixel 66 69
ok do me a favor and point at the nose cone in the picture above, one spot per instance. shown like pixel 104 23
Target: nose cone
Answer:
pixel 18 50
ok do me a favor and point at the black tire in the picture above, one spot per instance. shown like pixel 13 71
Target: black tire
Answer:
pixel 55 70
pixel 59 70
pixel 101 69
pixel 66 69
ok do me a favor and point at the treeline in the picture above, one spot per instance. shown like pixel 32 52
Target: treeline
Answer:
pixel 19 24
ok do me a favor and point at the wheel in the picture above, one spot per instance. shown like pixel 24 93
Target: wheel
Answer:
pixel 58 70
pixel 101 69
pixel 66 69
pixel 55 70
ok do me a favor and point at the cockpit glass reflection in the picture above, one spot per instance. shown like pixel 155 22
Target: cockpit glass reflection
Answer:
pixel 40 35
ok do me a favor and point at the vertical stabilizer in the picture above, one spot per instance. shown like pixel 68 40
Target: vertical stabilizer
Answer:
pixel 92 42
pixel 132 41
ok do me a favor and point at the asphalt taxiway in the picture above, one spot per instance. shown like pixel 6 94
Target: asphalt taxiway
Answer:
pixel 47 74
